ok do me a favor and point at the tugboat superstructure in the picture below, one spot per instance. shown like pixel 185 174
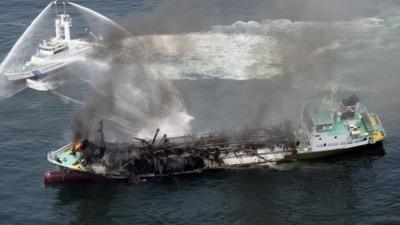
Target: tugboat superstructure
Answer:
pixel 330 127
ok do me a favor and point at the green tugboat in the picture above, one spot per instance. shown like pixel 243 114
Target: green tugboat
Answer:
pixel 331 127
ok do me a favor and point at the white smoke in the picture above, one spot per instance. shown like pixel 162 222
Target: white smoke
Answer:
pixel 131 100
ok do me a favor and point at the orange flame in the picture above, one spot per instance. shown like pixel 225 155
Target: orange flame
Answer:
pixel 78 144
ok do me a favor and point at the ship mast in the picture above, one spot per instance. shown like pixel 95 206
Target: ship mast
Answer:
pixel 55 3
pixel 64 3
pixel 102 141
pixel 333 88
pixel 63 23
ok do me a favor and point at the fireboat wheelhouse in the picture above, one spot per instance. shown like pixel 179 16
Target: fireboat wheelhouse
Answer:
pixel 52 54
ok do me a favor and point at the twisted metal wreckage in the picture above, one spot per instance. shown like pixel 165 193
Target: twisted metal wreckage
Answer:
pixel 165 156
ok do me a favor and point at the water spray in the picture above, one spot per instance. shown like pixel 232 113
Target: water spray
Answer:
pixel 94 13
pixel 91 34
pixel 22 38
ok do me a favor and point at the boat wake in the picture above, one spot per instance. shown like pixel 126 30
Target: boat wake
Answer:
pixel 40 85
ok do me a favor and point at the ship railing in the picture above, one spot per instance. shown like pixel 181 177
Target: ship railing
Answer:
pixel 52 155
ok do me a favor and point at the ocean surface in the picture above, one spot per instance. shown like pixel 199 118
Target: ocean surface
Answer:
pixel 360 188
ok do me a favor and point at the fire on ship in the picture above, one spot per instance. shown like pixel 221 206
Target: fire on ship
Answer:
pixel 142 159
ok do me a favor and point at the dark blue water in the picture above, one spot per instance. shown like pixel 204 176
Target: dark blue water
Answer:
pixel 360 188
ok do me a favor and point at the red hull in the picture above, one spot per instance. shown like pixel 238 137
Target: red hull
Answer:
pixel 65 176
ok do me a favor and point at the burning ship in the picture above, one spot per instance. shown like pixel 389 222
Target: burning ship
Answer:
pixel 171 156
pixel 52 54
pixel 328 127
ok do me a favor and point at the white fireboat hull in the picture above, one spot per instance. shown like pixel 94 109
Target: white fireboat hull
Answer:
pixel 37 72
pixel 51 67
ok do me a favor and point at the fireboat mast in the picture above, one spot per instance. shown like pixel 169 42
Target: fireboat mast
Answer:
pixel 55 3
pixel 51 50
pixel 64 3
pixel 63 24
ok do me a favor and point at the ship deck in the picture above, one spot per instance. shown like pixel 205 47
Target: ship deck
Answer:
pixel 27 67
pixel 65 158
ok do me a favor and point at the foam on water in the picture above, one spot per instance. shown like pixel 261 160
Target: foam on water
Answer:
pixel 270 48
pixel 42 85
pixel 212 55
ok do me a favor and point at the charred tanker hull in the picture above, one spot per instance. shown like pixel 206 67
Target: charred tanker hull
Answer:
pixel 179 155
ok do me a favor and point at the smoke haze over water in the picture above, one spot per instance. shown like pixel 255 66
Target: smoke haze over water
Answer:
pixel 131 99
pixel 296 47
pixel 299 47
pixel 324 41
pixel 269 48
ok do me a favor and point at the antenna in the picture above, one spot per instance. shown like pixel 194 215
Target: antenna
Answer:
pixel 64 3
pixel 155 136
pixel 333 88
pixel 55 3
pixel 102 141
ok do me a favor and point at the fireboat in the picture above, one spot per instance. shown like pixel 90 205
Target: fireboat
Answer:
pixel 52 54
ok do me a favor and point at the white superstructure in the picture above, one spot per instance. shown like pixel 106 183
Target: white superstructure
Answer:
pixel 329 126
pixel 52 54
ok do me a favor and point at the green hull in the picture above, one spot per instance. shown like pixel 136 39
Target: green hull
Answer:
pixel 322 154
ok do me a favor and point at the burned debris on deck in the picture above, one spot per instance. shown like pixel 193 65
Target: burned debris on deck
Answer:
pixel 186 154
pixel 328 127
